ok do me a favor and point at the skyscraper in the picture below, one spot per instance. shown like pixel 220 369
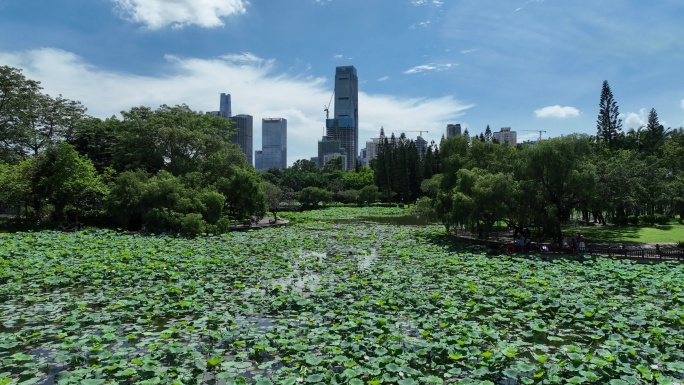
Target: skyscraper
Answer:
pixel 273 144
pixel 373 146
pixel 344 127
pixel 421 146
pixel 244 135
pixel 453 130
pixel 506 136
pixel 330 149
pixel 225 106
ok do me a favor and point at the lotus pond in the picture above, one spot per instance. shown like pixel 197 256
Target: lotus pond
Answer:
pixel 328 302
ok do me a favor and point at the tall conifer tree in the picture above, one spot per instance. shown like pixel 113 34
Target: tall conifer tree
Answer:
pixel 608 124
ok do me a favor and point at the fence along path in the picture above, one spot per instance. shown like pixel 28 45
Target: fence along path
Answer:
pixel 637 253
pixel 613 251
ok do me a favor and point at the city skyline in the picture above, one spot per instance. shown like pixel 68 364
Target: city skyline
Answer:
pixel 531 65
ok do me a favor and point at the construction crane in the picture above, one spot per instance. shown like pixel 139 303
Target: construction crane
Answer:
pixel 420 131
pixel 326 108
pixel 539 131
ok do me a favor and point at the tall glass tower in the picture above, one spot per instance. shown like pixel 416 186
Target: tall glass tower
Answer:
pixel 344 127
pixel 225 107
pixel 273 144
pixel 243 137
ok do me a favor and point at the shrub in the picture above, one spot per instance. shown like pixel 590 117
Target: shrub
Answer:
pixel 347 196
pixel 368 194
pixel 648 219
pixel 311 197
pixel 633 220
pixel 192 224
pixel 662 219
pixel 621 221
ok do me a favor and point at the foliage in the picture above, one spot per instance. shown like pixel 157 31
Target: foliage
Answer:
pixel 273 196
pixel 358 178
pixel 399 169
pixel 324 302
pixel 368 194
pixel 171 167
pixel 30 121
pixel 311 197
pixel 67 181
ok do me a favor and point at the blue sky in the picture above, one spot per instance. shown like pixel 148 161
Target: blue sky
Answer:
pixel 526 64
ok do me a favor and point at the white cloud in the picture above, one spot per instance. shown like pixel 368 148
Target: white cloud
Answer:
pixel 384 78
pixel 634 119
pixel 155 14
pixel 467 51
pixel 254 84
pixel 681 103
pixel 436 3
pixel 245 58
pixel 429 67
pixel 400 114
pixel 557 112
pixel 338 56
pixel 423 24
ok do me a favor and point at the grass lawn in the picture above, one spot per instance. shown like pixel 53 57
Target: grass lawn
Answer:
pixel 672 233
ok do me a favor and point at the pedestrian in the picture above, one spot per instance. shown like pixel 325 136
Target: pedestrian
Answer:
pixel 581 242
pixel 519 243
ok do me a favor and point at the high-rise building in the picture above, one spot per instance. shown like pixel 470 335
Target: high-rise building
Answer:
pixel 453 130
pixel 244 135
pixel 225 106
pixel 421 146
pixel 330 149
pixel 506 136
pixel 344 127
pixel 373 146
pixel 273 144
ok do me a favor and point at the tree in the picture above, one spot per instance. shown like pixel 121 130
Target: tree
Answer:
pixel 333 165
pixel 49 120
pixel 15 183
pixel 311 197
pixel 244 196
pixel 273 196
pixel 359 178
pixel 175 139
pixel 608 124
pixel 488 134
pixel 368 194
pixel 16 96
pixel 68 181
pixel 126 198
pixel 654 137
pixel 560 174
pixel 95 138
pixel 303 173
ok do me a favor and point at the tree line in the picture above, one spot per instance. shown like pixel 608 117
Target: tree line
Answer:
pixel 173 168
pixel 616 176
pixel 169 168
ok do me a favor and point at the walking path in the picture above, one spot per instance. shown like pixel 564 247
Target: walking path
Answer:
pixel 262 223
pixel 504 241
